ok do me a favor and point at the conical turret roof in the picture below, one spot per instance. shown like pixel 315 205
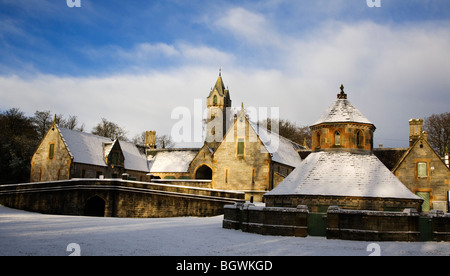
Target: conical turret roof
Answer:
pixel 342 111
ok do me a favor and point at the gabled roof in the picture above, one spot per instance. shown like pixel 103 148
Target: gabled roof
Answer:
pixel 342 111
pixel 420 140
pixel 342 173
pixel 135 159
pixel 87 148
pixel 283 150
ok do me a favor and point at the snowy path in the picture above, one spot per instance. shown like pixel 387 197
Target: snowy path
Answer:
pixel 24 233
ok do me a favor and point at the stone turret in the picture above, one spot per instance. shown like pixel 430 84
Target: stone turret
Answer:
pixel 342 126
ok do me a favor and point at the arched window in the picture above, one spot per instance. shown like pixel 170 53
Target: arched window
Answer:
pixel 215 100
pixel 337 138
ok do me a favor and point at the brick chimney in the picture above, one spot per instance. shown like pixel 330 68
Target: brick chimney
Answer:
pixel 415 130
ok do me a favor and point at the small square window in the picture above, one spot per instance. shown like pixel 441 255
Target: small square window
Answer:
pixel 422 169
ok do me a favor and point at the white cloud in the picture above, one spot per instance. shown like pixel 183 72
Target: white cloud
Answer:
pixel 391 73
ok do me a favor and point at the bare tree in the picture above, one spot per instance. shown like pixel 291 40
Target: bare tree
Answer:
pixel 111 130
pixel 290 130
pixel 164 141
pixel 69 123
pixel 438 128
pixel 42 120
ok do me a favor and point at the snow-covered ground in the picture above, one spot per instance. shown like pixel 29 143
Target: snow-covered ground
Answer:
pixel 25 233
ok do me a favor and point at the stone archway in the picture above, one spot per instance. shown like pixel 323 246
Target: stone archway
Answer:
pixel 95 207
pixel 203 172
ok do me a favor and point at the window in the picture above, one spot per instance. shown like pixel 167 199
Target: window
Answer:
pixel 240 151
pixel 253 175
pixel 359 139
pixel 318 139
pixel 226 175
pixel 51 152
pixel 422 169
pixel 337 139
pixel 215 100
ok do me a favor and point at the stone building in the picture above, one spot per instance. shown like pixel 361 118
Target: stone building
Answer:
pixel 65 154
pixel 237 154
pixel 342 169
pixel 423 171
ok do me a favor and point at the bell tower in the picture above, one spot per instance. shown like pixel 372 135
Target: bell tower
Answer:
pixel 218 103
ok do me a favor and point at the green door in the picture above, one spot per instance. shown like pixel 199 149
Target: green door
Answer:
pixel 317 224
pixel 426 200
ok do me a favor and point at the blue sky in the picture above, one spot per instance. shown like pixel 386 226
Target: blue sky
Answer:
pixel 134 62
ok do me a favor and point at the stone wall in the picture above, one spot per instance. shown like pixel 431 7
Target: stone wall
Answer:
pixel 372 225
pixel 265 220
pixel 321 203
pixel 439 223
pixel 197 183
pixel 120 198
pixel 364 225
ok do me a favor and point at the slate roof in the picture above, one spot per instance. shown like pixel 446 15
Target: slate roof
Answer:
pixel 87 148
pixel 342 173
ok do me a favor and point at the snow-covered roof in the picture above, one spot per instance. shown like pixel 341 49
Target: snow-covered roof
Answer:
pixel 172 160
pixel 135 159
pixel 283 151
pixel 342 173
pixel 342 111
pixel 87 148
